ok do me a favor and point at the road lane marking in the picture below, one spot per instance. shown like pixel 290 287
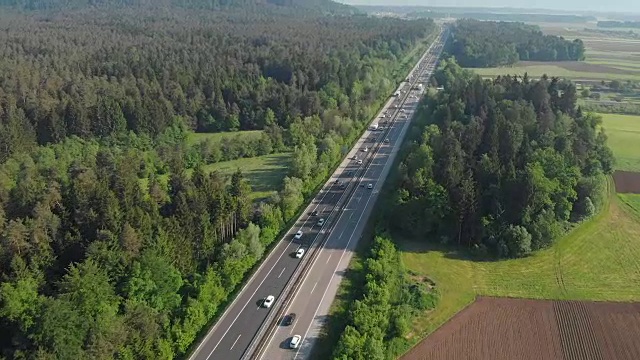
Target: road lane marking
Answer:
pixel 341 256
pixel 329 258
pixel 234 343
pixel 314 287
pixel 251 297
pixel 366 168
pixel 281 272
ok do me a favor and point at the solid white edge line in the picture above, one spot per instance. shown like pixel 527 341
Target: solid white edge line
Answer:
pixel 310 206
pixel 342 255
pixel 426 54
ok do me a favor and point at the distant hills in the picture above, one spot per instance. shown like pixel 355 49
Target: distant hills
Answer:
pixel 322 5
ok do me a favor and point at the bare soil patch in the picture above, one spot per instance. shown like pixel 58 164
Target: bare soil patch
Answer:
pixel 627 182
pixel 501 328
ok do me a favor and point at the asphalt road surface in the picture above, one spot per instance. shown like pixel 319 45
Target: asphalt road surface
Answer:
pixel 345 203
pixel 314 296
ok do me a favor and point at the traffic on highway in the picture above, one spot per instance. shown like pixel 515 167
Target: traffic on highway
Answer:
pixel 316 292
pixel 279 312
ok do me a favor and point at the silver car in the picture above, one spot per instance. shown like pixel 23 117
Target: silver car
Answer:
pixel 295 341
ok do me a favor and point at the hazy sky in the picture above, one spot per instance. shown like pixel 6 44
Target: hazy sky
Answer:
pixel 585 5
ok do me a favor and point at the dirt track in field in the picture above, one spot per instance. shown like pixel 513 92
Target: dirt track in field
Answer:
pixel 509 329
pixel 627 182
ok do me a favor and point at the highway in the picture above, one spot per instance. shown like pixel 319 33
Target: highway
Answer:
pixel 345 203
pixel 312 301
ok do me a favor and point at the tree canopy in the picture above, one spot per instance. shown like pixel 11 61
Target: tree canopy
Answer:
pixel 116 240
pixel 262 5
pixel 619 24
pixel 107 72
pixel 488 44
pixel 501 166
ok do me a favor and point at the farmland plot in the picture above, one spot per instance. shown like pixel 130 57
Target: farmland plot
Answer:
pixel 500 328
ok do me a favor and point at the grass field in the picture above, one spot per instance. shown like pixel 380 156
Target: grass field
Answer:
pixel 569 70
pixel 608 57
pixel 265 173
pixel 600 260
pixel 624 140
pixel 633 201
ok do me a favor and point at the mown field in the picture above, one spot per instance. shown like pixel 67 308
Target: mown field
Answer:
pixel 608 58
pixel 565 69
pixel 624 140
pixel 265 173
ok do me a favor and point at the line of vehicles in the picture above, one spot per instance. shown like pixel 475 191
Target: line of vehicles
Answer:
pixel 289 319
pixel 413 88
pixel 270 299
pixel 237 322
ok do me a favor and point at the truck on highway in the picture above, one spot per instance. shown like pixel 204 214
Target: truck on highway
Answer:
pixel 374 126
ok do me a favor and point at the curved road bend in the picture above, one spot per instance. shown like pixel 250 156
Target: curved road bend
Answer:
pixel 233 333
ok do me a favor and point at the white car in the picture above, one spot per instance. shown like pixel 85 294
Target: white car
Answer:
pixel 295 341
pixel 359 162
pixel 298 235
pixel 386 140
pixel 268 301
pixel 300 253
pixel 365 149
pixel 321 222
pixel 370 186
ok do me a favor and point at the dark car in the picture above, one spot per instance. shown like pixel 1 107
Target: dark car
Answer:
pixel 289 319
pixel 314 213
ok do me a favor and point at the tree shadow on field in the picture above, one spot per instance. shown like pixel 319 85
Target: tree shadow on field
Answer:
pixel 266 179
pixel 449 251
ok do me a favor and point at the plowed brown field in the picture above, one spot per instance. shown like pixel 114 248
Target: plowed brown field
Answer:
pixel 509 329
pixel 627 182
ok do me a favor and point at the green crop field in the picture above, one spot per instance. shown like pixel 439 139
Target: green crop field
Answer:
pixel 633 201
pixel 569 69
pixel 599 260
pixel 265 173
pixel 624 140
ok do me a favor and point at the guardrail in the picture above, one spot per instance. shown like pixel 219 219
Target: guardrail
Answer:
pixel 275 317
pixel 302 266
